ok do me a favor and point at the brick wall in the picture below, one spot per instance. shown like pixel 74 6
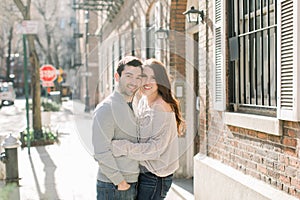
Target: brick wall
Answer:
pixel 272 159
pixel 177 37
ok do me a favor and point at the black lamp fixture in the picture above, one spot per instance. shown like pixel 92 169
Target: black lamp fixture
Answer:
pixel 193 14
pixel 162 33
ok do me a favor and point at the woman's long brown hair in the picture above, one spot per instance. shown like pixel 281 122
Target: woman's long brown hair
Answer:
pixel 164 90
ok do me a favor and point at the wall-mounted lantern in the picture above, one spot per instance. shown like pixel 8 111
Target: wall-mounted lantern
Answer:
pixel 162 33
pixel 193 14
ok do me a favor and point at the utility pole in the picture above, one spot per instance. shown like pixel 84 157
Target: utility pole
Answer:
pixel 86 49
pixel 9 53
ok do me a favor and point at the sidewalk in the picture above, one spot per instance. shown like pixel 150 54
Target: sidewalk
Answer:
pixel 65 170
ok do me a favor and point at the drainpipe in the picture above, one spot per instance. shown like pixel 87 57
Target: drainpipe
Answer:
pixel 207 79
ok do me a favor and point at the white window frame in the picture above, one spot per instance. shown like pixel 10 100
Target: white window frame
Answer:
pixel 285 111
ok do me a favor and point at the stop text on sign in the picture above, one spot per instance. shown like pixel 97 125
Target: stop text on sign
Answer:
pixel 48 73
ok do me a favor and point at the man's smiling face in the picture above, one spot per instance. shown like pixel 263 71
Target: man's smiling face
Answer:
pixel 130 80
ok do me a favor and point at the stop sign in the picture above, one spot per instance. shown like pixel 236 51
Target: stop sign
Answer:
pixel 48 73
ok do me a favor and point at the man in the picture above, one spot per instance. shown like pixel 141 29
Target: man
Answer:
pixel 114 119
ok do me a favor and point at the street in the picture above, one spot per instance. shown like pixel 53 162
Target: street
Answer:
pixel 64 170
pixel 13 118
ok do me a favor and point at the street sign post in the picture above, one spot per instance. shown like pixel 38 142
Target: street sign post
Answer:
pixel 26 27
pixel 26 92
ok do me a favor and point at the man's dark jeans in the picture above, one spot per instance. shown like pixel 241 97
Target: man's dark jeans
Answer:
pixel 109 191
pixel 152 187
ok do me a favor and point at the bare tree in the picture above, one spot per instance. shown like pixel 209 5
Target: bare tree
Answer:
pixel 34 61
pixel 47 10
pixel 8 17
pixel 57 31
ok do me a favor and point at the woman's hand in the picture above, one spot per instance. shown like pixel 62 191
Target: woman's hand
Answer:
pixel 118 148
pixel 123 185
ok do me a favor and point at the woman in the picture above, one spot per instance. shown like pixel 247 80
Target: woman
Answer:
pixel 160 124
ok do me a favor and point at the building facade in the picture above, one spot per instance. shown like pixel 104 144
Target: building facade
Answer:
pixel 237 76
pixel 249 126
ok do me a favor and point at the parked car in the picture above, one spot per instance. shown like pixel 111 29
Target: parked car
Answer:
pixel 7 94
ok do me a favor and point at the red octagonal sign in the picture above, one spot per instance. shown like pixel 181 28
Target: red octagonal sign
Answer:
pixel 48 73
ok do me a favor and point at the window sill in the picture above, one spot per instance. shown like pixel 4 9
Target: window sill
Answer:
pixel 270 125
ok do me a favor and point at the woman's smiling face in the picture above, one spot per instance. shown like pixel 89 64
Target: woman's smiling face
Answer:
pixel 149 83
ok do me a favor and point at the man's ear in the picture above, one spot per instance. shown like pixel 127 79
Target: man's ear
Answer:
pixel 117 77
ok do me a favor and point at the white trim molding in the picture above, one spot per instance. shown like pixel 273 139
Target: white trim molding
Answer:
pixel 270 125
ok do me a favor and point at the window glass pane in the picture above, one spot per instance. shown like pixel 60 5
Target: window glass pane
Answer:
pixel 265 21
pixel 265 66
pixel 272 18
pixel 258 22
pixel 241 27
pixel 255 70
pixel 252 69
pixel 272 69
pixel 252 28
pixel 259 68
pixel 246 70
pixel 240 85
pixel 245 7
pixel 257 4
pixel 246 28
pixel 252 5
pixel 241 71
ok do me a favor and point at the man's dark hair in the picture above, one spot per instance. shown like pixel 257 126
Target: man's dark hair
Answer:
pixel 128 60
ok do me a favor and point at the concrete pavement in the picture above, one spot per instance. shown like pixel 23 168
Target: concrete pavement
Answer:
pixel 66 170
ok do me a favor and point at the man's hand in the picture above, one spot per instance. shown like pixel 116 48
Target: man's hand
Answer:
pixel 123 185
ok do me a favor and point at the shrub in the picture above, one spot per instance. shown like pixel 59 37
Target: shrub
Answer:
pixel 48 137
pixel 50 106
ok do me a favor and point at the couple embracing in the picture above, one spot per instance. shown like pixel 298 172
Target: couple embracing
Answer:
pixel 135 133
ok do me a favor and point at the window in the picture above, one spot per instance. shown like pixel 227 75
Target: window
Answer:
pixel 262 61
pixel 150 34
pixel 153 23
pixel 253 71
